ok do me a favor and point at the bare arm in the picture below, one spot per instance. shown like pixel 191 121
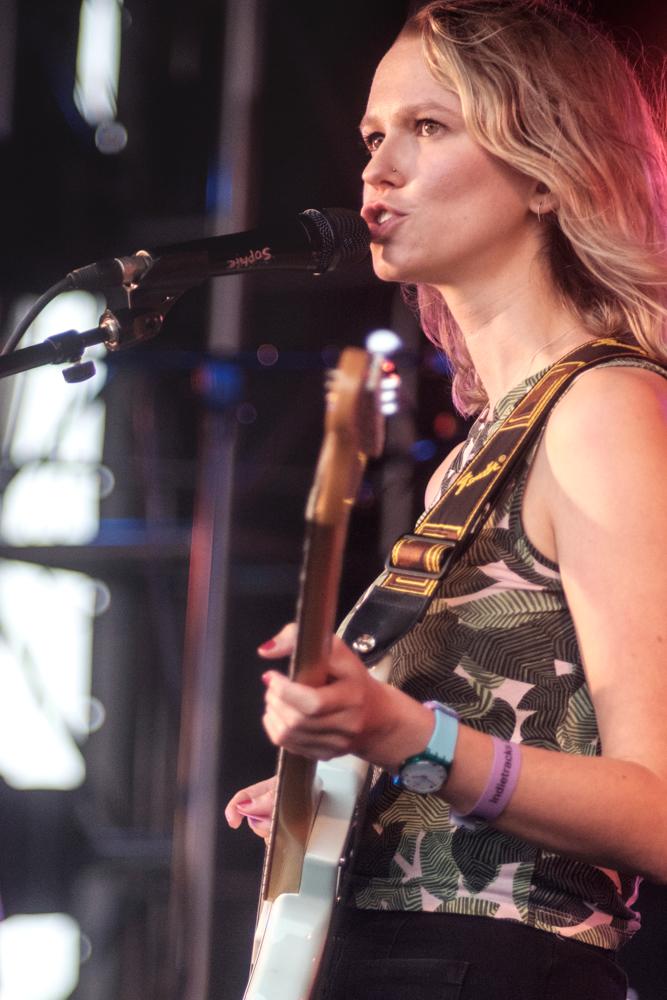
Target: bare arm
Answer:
pixel 607 468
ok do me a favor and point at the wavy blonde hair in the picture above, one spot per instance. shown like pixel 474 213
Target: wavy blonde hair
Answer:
pixel 549 93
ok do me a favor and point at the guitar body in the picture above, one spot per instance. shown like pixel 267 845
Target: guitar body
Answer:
pixel 292 929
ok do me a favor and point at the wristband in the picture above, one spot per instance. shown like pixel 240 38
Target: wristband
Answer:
pixel 502 781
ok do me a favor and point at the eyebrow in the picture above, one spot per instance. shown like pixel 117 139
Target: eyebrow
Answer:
pixel 412 111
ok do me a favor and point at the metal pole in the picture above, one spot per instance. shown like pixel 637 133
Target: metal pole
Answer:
pixel 196 824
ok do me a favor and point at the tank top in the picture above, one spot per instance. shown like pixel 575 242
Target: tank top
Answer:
pixel 498 645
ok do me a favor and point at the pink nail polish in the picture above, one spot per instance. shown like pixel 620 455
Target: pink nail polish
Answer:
pixel 268 645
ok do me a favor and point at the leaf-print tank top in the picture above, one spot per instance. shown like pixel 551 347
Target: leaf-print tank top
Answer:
pixel 497 644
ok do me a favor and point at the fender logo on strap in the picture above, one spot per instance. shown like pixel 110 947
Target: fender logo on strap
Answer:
pixel 468 478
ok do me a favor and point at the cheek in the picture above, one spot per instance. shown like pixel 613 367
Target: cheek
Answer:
pixel 506 185
pixel 476 182
pixel 455 184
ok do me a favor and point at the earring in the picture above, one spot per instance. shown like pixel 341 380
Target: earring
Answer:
pixel 539 211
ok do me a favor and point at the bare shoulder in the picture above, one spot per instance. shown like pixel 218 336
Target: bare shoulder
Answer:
pixel 610 416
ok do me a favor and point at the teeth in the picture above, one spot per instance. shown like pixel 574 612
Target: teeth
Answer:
pixel 384 216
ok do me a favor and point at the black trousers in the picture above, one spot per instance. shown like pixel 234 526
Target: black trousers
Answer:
pixel 388 955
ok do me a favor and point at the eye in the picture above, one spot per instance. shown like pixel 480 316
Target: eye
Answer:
pixel 427 127
pixel 371 141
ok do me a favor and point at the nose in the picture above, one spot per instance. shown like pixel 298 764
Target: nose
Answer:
pixel 383 169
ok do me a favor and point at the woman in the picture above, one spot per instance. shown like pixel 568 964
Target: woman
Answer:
pixel 516 179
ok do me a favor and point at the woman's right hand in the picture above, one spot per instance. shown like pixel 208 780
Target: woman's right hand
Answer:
pixel 254 804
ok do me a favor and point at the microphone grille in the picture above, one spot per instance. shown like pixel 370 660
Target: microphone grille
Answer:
pixel 344 237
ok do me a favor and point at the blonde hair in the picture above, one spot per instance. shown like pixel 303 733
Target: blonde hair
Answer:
pixel 549 93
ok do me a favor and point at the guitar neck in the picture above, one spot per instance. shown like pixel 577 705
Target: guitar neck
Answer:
pixel 295 796
pixel 351 433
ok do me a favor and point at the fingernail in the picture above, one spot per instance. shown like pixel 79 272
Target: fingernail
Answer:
pixel 266 677
pixel 246 809
pixel 268 645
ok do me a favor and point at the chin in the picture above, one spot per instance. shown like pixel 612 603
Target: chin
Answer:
pixel 387 269
pixel 407 268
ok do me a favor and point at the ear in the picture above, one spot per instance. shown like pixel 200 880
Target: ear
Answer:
pixel 542 200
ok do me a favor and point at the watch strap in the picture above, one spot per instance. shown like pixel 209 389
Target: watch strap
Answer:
pixel 442 743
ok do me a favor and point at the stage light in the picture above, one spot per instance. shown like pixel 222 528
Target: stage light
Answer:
pixel 98 70
pixel 445 425
pixel 111 138
pixel 46 619
pixel 52 452
pixel 267 355
pixel 246 413
pixel 383 342
pixel 54 438
pixel 424 450
pixel 39 956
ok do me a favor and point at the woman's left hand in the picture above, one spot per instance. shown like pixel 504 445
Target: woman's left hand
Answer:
pixel 351 713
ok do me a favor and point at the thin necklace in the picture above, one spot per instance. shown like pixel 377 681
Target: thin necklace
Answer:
pixel 543 347
pixel 489 411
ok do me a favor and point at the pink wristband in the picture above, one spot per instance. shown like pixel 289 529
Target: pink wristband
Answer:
pixel 501 784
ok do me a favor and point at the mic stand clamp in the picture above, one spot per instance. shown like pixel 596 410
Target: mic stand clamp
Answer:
pixel 135 312
pixel 114 331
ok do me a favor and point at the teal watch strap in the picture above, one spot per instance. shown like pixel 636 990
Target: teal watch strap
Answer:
pixel 445 733
pixel 428 771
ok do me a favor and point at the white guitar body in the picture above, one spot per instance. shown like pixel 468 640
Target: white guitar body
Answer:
pixel 292 930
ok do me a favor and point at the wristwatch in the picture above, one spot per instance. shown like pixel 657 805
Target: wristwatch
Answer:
pixel 427 772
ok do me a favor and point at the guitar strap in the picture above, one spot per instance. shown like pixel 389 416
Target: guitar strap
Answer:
pixel 419 561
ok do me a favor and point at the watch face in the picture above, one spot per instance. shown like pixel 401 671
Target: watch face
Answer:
pixel 423 776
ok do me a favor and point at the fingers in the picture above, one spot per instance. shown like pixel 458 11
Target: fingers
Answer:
pixel 280 645
pixel 320 722
pixel 343 662
pixel 316 745
pixel 255 804
pixel 349 685
pixel 258 812
pixel 262 827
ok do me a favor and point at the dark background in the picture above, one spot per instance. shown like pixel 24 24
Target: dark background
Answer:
pixel 102 852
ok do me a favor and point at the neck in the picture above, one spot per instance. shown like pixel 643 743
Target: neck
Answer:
pixel 513 334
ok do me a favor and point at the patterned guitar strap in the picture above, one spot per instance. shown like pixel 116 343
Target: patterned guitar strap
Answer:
pixel 418 562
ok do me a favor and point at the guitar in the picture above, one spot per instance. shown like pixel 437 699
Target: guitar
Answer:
pixel 315 802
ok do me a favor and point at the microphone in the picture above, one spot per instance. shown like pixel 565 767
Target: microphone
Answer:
pixel 317 240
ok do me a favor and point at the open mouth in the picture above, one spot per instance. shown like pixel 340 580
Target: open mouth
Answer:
pixel 380 219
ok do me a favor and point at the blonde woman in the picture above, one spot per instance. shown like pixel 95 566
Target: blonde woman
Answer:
pixel 516 181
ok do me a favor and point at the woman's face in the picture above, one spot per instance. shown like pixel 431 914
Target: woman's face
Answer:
pixel 441 209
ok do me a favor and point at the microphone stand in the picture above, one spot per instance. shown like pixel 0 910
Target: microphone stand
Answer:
pixel 135 312
pixel 56 350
